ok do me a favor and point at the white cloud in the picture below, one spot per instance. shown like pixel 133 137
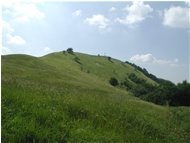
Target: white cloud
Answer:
pixel 112 9
pixel 98 20
pixel 6 26
pixel 136 13
pixel 177 17
pixel 5 51
pixel 47 49
pixel 10 38
pixel 143 58
pixel 77 13
pixel 149 58
pixel 6 3
pixel 15 40
pixel 23 12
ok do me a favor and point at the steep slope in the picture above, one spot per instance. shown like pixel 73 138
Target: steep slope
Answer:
pixel 58 98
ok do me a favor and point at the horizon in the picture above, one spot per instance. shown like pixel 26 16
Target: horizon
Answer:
pixel 153 35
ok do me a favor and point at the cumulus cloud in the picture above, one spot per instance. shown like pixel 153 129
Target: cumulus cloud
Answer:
pixel 177 17
pixel 15 40
pixel 47 49
pixel 143 58
pixel 10 37
pixel 149 58
pixel 136 13
pixel 23 12
pixel 6 27
pixel 98 20
pixel 77 13
pixel 112 9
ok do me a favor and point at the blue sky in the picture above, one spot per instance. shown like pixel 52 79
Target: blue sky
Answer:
pixel 153 35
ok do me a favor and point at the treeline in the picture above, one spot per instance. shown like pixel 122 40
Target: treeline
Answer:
pixel 171 94
pixel 165 93
pixel 145 72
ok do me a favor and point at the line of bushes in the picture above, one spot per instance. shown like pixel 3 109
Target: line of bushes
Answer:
pixel 164 93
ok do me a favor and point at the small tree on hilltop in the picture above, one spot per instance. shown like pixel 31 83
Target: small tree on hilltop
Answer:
pixel 109 58
pixel 70 50
pixel 113 81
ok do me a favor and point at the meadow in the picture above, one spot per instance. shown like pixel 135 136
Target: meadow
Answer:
pixel 62 97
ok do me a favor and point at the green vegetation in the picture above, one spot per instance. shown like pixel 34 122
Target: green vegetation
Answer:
pixel 174 95
pixel 70 50
pixel 113 81
pixel 50 99
pixel 165 93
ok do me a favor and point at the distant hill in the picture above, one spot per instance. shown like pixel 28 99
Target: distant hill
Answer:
pixel 100 66
pixel 67 97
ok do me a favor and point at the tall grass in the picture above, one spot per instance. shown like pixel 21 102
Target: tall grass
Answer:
pixel 45 102
pixel 33 114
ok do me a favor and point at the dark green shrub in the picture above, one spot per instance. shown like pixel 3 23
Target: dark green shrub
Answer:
pixel 126 84
pixel 135 79
pixel 140 90
pixel 110 59
pixel 77 60
pixel 113 81
pixel 70 50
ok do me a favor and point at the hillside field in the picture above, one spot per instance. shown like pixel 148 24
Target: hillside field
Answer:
pixel 67 98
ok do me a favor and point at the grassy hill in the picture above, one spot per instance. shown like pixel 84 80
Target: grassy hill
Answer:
pixel 65 97
pixel 99 66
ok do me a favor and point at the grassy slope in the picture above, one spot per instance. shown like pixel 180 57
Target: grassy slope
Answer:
pixel 49 99
pixel 96 65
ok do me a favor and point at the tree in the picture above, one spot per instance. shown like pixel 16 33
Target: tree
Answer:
pixel 113 81
pixel 110 59
pixel 70 50
pixel 182 98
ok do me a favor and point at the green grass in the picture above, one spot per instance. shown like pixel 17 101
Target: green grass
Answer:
pixel 50 99
pixel 99 66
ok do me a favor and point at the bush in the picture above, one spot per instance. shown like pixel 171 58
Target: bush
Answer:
pixel 113 81
pixel 70 50
pixel 166 92
pixel 139 90
pixel 110 59
pixel 77 60
pixel 135 79
pixel 126 84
